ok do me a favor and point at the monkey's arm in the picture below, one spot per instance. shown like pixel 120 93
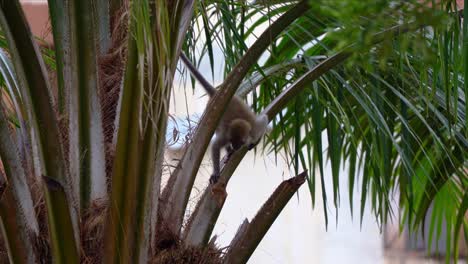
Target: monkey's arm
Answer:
pixel 230 150
pixel 218 143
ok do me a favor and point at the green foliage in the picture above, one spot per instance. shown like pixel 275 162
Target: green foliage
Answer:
pixel 360 20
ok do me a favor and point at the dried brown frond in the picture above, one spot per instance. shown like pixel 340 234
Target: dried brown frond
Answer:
pixel 170 249
pixel 111 69
pixel 92 231
pixel 41 246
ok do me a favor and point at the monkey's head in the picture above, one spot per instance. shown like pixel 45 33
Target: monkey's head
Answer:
pixel 239 131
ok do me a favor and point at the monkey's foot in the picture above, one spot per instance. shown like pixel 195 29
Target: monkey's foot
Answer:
pixel 214 178
pixel 253 145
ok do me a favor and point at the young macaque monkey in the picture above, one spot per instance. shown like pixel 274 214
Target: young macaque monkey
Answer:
pixel 239 125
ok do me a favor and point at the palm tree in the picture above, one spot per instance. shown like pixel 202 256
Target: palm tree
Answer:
pixel 88 154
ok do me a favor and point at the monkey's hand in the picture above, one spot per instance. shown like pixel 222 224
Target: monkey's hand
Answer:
pixel 214 178
pixel 253 145
pixel 230 150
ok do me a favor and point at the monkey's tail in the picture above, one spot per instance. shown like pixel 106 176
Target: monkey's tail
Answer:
pixel 197 75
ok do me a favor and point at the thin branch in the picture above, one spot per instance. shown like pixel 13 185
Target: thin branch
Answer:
pixel 298 86
pixel 244 245
pixel 203 219
pixel 256 79
pixel 252 55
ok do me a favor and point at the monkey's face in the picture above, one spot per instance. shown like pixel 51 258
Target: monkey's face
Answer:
pixel 237 142
pixel 239 133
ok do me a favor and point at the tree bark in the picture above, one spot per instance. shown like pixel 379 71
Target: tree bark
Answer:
pixel 248 237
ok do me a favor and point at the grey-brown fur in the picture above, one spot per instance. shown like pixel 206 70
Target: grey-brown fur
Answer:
pixel 239 125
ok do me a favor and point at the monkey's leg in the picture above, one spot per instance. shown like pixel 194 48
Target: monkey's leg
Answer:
pixel 215 152
pixel 230 150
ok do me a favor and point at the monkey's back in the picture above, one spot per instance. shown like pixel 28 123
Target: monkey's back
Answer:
pixel 236 109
